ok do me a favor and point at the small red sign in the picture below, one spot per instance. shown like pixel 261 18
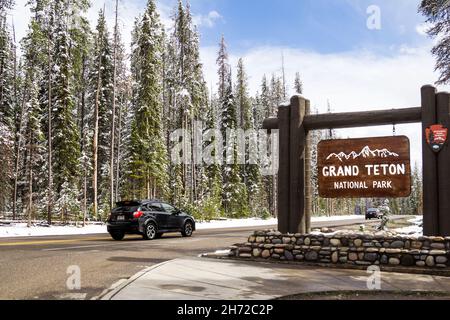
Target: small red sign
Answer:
pixel 436 137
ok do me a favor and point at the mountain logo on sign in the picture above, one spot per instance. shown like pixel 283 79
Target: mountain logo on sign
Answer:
pixel 366 152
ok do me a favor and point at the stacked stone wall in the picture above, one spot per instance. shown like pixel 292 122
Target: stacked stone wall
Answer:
pixel 363 250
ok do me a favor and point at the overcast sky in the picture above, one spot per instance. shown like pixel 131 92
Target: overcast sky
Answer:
pixel 341 60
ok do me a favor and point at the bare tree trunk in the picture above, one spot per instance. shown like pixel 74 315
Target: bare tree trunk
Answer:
pixel 119 138
pixel 85 199
pixel 50 165
pixel 194 158
pixel 95 145
pixel 148 186
pixel 2 66
pixel 17 163
pixel 83 143
pixel 95 142
pixel 20 125
pixel 113 120
pixel 184 164
pixel 30 182
pixel 15 63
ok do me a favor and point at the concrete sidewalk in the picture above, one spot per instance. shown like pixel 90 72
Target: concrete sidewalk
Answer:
pixel 211 279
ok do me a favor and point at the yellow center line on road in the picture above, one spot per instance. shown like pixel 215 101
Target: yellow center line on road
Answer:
pixel 44 242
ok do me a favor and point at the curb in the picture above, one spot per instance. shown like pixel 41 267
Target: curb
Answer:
pixel 403 270
pixel 110 294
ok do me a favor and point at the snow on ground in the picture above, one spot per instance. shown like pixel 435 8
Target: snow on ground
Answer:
pixel 416 230
pixel 235 223
pixel 336 218
pixel 21 229
pixel 254 222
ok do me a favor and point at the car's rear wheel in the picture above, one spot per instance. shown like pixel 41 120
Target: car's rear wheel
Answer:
pixel 117 235
pixel 150 231
pixel 188 229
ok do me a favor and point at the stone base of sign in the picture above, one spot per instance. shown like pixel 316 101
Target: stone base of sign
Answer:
pixel 356 250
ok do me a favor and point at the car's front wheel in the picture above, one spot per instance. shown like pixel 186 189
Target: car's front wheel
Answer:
pixel 117 235
pixel 188 229
pixel 150 231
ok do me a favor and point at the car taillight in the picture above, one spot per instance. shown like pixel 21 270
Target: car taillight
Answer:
pixel 138 214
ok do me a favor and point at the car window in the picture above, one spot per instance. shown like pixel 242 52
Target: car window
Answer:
pixel 154 207
pixel 168 208
pixel 126 209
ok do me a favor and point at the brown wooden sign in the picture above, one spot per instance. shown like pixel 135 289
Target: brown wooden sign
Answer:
pixel 365 168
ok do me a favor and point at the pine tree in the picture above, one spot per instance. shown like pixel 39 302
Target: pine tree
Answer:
pixel 65 144
pixel 84 123
pixel 8 105
pixel 224 70
pixel 113 113
pixel 242 98
pixel 6 133
pixel 211 183
pixel 298 84
pixel 149 155
pixel 124 116
pixel 415 200
pixel 81 50
pixel 35 147
pixel 235 197
pixel 7 79
pixel 31 165
pixel 186 94
pixel 35 144
pixel 316 137
pixel 262 111
pixel 436 12
pixel 250 171
pixel 101 97
pixel 276 94
pixel 6 169
pixel 55 50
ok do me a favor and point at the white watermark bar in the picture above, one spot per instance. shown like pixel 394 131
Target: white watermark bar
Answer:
pixel 235 146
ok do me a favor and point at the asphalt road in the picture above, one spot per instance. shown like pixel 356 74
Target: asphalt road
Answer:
pixel 37 267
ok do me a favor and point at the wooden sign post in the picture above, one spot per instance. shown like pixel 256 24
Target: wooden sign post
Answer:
pixel 364 168
pixel 376 167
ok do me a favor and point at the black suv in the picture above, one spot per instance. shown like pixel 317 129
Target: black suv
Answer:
pixel 150 218
pixel 373 213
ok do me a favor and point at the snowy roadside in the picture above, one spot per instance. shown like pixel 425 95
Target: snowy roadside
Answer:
pixel 415 230
pixel 21 229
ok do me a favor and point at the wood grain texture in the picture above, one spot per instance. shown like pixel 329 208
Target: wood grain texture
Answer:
pixel 362 119
pixel 365 168
pixel 430 175
pixel 272 123
pixel 308 176
pixel 297 166
pixel 284 169
pixel 443 117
